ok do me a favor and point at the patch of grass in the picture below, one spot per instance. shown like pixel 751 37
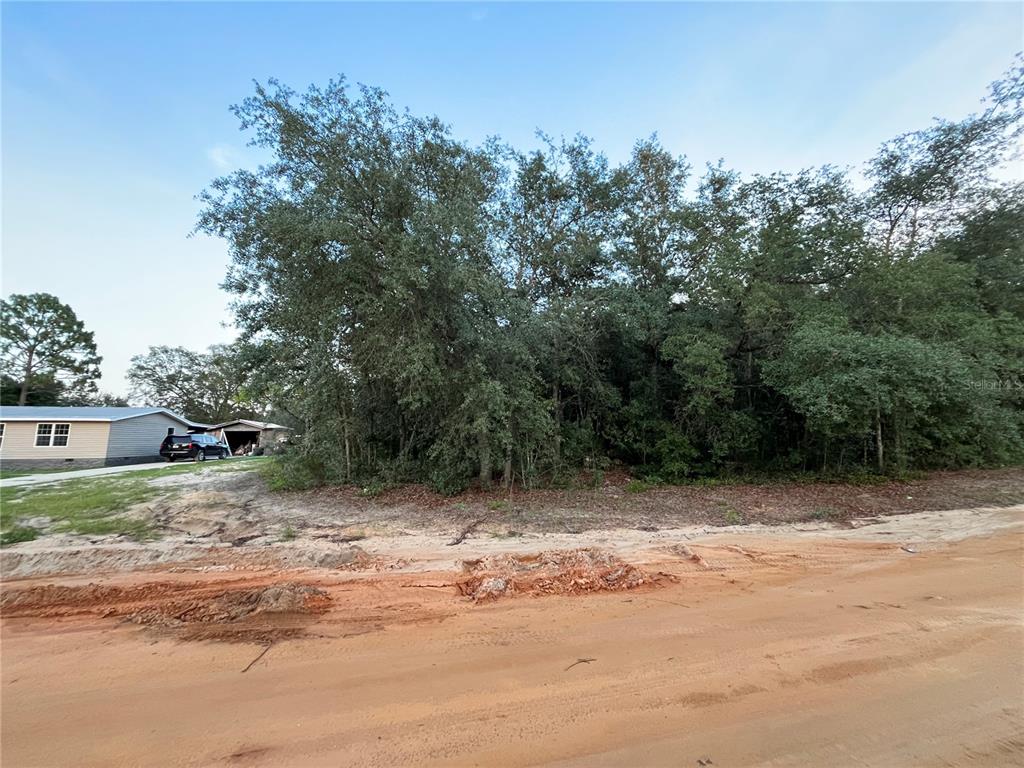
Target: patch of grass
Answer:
pixel 825 513
pixel 288 534
pixel 210 465
pixel 499 505
pixel 638 486
pixel 89 506
pixel 7 473
pixel 732 517
pixel 17 534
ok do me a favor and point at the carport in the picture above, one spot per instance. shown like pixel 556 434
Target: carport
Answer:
pixel 247 434
pixel 238 438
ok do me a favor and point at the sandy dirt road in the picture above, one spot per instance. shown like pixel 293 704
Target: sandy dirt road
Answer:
pixel 773 650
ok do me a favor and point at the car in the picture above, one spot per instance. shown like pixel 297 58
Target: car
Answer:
pixel 198 447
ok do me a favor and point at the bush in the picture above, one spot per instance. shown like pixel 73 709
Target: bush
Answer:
pixel 373 489
pixel 292 472
pixel 732 517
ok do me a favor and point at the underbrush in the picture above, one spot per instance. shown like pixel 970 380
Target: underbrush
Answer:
pixel 297 472
pixel 292 472
pixel 855 477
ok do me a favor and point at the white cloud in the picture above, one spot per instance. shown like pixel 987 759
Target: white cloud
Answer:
pixel 223 157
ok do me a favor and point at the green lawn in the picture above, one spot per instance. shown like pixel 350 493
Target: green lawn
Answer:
pixel 4 472
pixel 85 506
pixel 93 505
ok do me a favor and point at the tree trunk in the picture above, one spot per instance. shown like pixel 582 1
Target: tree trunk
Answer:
pixel 485 458
pixel 558 428
pixel 348 456
pixel 506 477
pixel 878 439
pixel 26 375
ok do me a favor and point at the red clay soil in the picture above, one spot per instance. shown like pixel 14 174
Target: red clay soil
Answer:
pixel 190 611
pixel 785 652
pixel 558 572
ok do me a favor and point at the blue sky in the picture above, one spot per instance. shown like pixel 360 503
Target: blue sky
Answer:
pixel 114 116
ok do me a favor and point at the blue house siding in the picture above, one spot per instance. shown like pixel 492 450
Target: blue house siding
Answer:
pixel 136 440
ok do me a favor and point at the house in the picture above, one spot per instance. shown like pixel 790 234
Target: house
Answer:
pixel 243 435
pixel 44 436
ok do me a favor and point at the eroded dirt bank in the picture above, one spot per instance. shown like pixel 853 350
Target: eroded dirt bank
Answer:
pixel 898 643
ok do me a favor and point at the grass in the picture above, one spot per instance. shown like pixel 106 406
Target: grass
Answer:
pixel 88 506
pixel 638 486
pixel 5 473
pixel 288 534
pixel 17 534
pixel 92 505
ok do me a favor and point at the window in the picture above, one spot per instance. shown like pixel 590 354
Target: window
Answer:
pixel 61 433
pixel 55 435
pixel 2 425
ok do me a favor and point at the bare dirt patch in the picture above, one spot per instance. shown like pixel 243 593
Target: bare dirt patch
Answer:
pixel 558 572
pixel 610 504
pixel 792 648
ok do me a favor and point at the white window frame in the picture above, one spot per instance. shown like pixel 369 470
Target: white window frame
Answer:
pixel 51 435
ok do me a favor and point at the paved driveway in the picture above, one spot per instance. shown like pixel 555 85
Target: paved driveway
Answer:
pixel 56 477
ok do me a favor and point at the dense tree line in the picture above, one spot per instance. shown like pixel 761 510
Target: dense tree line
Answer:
pixel 440 312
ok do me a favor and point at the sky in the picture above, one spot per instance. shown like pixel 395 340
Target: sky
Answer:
pixel 114 116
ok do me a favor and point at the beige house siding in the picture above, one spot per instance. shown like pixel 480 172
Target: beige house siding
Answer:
pixel 86 440
pixel 141 436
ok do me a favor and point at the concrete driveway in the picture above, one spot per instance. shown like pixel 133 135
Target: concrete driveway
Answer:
pixel 56 477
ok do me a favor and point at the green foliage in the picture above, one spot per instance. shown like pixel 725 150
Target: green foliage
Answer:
pixel 209 387
pixel 434 312
pixel 45 351
pixel 292 472
pixel 288 534
pixel 732 517
pixel 638 486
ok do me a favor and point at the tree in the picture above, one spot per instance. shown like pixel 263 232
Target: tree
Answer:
pixel 43 343
pixel 435 312
pixel 208 387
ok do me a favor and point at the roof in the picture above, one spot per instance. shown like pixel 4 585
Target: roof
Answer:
pixel 250 423
pixel 88 413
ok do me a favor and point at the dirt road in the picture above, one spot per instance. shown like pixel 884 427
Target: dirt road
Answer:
pixel 767 650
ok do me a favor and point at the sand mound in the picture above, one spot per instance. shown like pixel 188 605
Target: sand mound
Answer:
pixel 191 611
pixel 558 572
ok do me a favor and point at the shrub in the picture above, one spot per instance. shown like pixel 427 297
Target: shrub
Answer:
pixel 292 472
pixel 637 486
